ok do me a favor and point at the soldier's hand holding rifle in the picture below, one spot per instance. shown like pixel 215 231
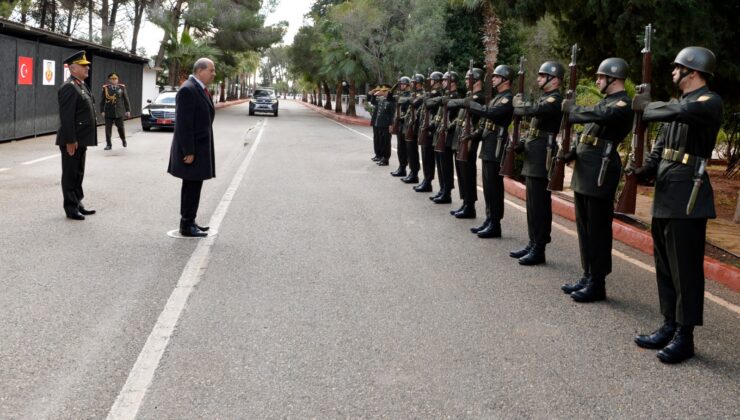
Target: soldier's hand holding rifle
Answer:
pixel 518 101
pixel 641 100
pixel 568 156
pixel 567 104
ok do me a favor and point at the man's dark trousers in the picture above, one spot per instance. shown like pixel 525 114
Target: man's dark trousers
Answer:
pixel 73 172
pixel 109 129
pixel 190 200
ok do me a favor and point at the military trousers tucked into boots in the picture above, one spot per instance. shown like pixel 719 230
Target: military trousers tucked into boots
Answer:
pixel 678 247
pixel 594 224
pixel 403 159
pixel 539 211
pixel 493 189
pixel 428 159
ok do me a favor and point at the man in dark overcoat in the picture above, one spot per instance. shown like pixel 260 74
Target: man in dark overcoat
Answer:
pixel 192 156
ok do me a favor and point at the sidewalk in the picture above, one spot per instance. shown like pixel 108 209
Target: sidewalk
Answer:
pixel 640 239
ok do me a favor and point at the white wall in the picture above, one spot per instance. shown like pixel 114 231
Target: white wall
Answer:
pixel 149 88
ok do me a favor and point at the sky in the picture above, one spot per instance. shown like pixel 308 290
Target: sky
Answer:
pixel 291 10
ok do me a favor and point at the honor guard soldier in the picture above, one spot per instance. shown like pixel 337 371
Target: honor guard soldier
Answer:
pixel 492 129
pixel 544 127
pixel 683 199
pixel 403 100
pixel 430 109
pixel 383 120
pixel 445 165
pixel 77 131
pixel 596 175
pixel 467 171
pixel 374 116
pixel 114 106
pixel 411 126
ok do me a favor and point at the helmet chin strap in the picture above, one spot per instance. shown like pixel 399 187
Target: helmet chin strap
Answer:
pixel 609 81
pixel 683 73
pixel 549 79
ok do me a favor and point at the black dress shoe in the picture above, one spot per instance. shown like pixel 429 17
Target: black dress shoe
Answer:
pixel 202 228
pixel 412 178
pixel 443 199
pixel 383 162
pixel 463 207
pixel 124 142
pixel 535 256
pixel 522 252
pixel 492 231
pixel 594 291
pixel 375 158
pixel 440 193
pixel 680 348
pixel 401 171
pixel 659 338
pixel 192 231
pixel 86 212
pixel 108 147
pixel 75 216
pixel 468 213
pixel 424 186
pixel 481 227
pixel 569 288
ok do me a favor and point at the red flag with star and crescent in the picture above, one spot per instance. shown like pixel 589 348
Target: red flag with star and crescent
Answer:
pixel 25 70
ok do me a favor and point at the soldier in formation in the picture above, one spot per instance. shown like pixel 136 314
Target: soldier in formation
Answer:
pixel 427 127
pixel 402 101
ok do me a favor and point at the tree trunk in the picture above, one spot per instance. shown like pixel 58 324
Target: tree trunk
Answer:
pixel 737 209
pixel 175 20
pixel 491 34
pixel 327 92
pixel 90 6
pixel 139 7
pixel 351 111
pixel 105 36
pixel 68 31
pixel 340 91
pixel 53 15
pixel 42 23
pixel 319 96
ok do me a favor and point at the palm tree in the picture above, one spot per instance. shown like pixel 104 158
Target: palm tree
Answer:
pixel 491 27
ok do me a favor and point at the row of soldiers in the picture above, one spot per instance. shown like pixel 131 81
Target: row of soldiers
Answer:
pixel 430 126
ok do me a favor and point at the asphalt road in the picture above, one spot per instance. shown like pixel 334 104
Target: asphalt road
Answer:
pixel 331 291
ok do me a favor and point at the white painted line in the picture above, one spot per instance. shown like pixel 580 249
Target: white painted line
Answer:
pixel 714 298
pixel 31 162
pixel 139 380
pixel 4 169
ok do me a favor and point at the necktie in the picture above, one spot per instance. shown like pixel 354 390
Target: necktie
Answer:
pixel 208 92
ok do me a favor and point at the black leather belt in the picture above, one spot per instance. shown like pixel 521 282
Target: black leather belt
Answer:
pixel 677 156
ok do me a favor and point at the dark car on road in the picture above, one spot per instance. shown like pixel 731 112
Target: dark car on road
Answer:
pixel 264 100
pixel 159 113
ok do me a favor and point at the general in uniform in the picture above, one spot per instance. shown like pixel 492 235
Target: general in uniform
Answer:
pixel 683 199
pixel 114 106
pixel 385 105
pixel 77 131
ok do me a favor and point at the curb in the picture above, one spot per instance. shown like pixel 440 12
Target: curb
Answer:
pixel 220 105
pixel 627 234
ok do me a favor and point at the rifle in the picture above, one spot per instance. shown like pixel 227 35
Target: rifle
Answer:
pixel 423 138
pixel 507 166
pixel 558 168
pixel 464 150
pixel 442 136
pixel 627 199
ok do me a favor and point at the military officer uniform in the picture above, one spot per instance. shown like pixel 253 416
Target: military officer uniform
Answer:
pixel 115 105
pixel 492 130
pixel 384 119
pixel 78 125
pixel 596 157
pixel 467 171
pixel 544 127
pixel 677 161
pixel 403 102
pixel 373 117
pixel 431 108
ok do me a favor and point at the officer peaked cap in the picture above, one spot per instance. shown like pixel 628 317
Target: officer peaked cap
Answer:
pixel 77 58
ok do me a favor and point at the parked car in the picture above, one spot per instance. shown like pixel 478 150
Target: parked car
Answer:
pixel 264 100
pixel 160 112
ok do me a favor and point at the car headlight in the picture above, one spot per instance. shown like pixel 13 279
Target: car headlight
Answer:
pixel 146 111
pixel 274 101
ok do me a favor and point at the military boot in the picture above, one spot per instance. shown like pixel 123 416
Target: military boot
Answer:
pixel 681 347
pixel 659 338
pixel 412 178
pixel 535 256
pixel 492 231
pixel 481 227
pixel 569 288
pixel 401 171
pixel 594 291
pixel 522 252
pixel 425 186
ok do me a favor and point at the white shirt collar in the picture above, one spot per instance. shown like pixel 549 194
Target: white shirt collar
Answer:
pixel 202 86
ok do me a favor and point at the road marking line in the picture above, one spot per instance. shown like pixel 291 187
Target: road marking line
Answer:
pixel 4 169
pixel 129 400
pixel 31 162
pixel 714 298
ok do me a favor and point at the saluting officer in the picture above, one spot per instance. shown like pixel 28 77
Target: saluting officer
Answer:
pixel 383 121
pixel 77 131
pixel 683 199
pixel 596 175
pixel 467 171
pixel 428 158
pixel 492 129
pixel 544 127
pixel 413 110
pixel 114 106
pixel 404 100
pixel 373 100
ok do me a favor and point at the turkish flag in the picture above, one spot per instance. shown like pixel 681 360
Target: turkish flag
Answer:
pixel 25 70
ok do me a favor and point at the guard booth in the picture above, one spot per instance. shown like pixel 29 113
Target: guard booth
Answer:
pixel 32 61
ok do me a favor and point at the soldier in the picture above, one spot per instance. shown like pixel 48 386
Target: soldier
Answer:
pixel 373 116
pixel 428 158
pixel 446 157
pixel 596 175
pixel 467 171
pixel 412 148
pixel 403 100
pixel 683 199
pixel 383 121
pixel 77 131
pixel 114 106
pixel 492 129
pixel 544 126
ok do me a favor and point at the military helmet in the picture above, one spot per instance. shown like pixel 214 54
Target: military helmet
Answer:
pixel 404 79
pixel 697 58
pixel 504 71
pixel 613 67
pixel 452 76
pixel 552 68
pixel 436 76
pixel 477 74
pixel 418 78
